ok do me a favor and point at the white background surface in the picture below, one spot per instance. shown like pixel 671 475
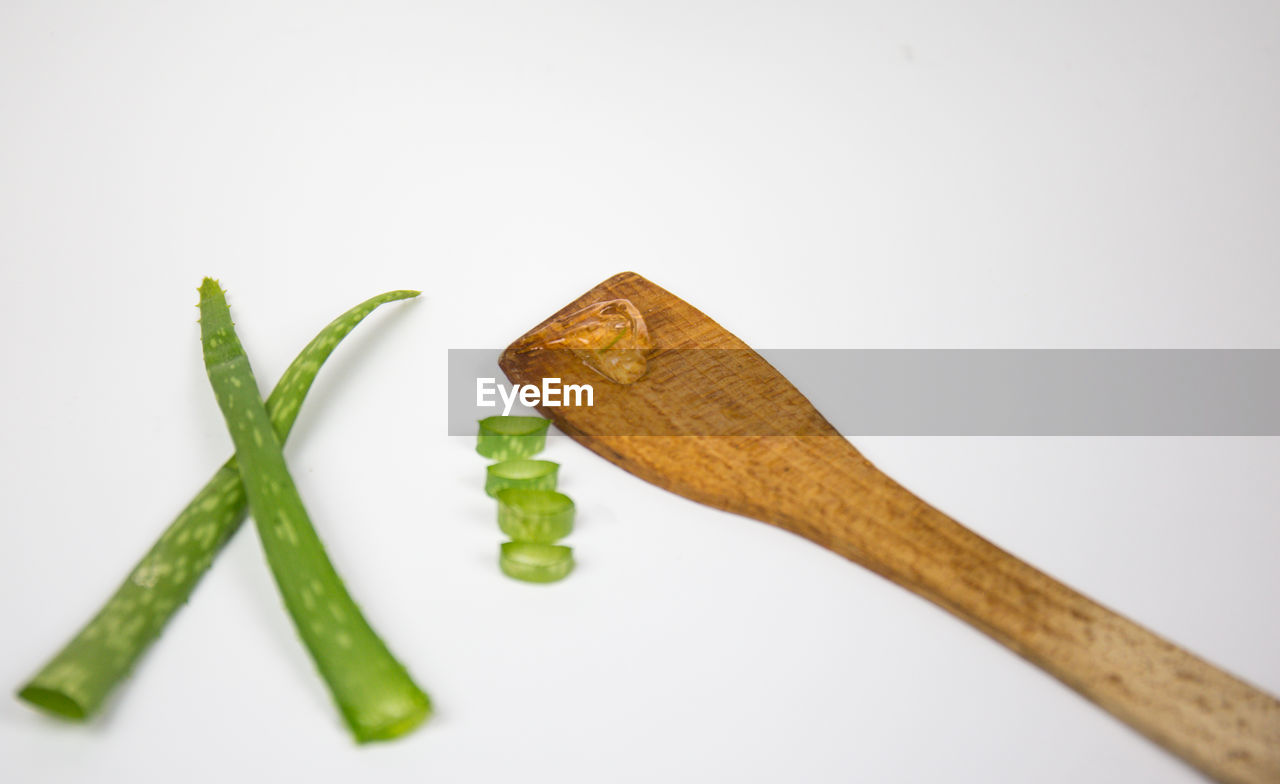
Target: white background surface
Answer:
pixel 809 174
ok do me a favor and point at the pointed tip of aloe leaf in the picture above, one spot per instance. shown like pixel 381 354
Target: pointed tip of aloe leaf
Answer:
pixel 209 287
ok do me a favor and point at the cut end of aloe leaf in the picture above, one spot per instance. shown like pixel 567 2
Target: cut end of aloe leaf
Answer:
pixel 521 473
pixel 532 562
pixel 406 720
pixel 54 701
pixel 543 516
pixel 512 437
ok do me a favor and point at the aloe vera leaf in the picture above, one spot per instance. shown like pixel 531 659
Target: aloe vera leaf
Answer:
pixel 373 690
pixel 77 680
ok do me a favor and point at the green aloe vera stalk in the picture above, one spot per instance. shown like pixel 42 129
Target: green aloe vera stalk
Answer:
pixel 76 681
pixel 529 474
pixel 542 516
pixel 532 562
pixel 511 437
pixel 373 691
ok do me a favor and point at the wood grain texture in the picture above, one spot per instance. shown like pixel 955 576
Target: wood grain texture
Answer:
pixel 819 486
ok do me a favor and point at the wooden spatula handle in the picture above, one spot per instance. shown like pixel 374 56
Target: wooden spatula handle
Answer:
pixel 1225 727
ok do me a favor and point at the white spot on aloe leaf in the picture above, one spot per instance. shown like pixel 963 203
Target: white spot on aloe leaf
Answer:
pixel 285 529
pixel 146 575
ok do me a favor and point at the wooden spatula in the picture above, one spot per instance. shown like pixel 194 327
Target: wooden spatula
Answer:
pixel 820 487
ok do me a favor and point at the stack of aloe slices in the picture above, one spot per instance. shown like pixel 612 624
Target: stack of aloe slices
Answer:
pixel 530 510
pixel 374 693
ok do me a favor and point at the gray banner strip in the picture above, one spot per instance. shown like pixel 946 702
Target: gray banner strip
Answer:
pixel 965 392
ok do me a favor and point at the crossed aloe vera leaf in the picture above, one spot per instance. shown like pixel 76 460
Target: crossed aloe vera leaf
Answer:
pixel 373 690
pixel 76 682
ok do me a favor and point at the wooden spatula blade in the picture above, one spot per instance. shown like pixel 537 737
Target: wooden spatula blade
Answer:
pixel 701 381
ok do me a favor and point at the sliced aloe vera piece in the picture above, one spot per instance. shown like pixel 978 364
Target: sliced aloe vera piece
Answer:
pixel 521 473
pixel 543 516
pixel 511 437
pixel 534 562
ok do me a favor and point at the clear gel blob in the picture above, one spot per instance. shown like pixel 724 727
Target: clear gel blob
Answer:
pixel 610 337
